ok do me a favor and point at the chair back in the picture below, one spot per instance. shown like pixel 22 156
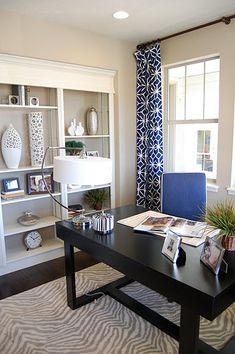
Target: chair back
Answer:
pixel 183 194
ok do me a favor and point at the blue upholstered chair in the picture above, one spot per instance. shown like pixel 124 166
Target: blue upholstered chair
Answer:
pixel 183 194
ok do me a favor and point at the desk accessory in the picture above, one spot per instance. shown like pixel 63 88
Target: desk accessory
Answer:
pixel 171 246
pixel 28 219
pixel 33 240
pixel 81 221
pixel 103 223
pixel 181 257
pixel 212 255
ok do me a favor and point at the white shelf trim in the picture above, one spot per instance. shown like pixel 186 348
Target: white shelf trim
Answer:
pixel 87 136
pixel 87 188
pixel 28 198
pixel 18 106
pixel 16 228
pixel 25 168
pixel 47 246
pixel 46 73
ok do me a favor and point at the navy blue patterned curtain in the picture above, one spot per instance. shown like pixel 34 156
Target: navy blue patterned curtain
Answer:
pixel 149 127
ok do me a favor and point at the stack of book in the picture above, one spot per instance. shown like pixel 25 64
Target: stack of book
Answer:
pixel 13 194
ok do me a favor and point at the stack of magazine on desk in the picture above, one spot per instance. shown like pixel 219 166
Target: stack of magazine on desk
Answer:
pixel 193 233
pixel 180 226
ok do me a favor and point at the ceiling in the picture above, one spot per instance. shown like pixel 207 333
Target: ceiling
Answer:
pixel 148 20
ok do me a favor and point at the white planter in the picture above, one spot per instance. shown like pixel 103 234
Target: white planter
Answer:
pixel 11 147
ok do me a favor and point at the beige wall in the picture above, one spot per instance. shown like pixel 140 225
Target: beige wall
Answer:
pixel 26 36
pixel 213 40
pixel 31 37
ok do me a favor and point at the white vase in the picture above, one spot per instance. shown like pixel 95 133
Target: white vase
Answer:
pixel 36 138
pixel 72 127
pixel 11 147
pixel 79 129
pixel 92 121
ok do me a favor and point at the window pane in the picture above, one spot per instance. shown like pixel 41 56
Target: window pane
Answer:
pixel 212 89
pixel 194 91
pixel 196 148
pixel 176 93
pixel 212 65
pixel 195 69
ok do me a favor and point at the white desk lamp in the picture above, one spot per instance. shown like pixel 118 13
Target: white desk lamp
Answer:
pixel 78 170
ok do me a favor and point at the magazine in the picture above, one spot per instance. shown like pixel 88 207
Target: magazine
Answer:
pixel 179 226
pixel 155 224
pixel 188 228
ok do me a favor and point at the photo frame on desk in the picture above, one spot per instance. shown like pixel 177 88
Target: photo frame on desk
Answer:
pixel 212 255
pixel 35 184
pixel 171 246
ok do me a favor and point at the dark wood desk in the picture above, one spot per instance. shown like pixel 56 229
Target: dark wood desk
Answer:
pixel 139 257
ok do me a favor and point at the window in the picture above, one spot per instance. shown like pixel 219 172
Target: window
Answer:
pixel 193 113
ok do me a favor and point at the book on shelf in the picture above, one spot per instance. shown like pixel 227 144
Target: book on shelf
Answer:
pixel 19 90
pixel 27 95
pixel 181 227
pixel 13 194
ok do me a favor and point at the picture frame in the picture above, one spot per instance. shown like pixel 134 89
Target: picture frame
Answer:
pixel 171 246
pixel 35 184
pixel 212 255
pixel 11 184
pixel 93 153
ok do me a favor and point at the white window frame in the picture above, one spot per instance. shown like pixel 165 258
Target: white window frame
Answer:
pixel 169 146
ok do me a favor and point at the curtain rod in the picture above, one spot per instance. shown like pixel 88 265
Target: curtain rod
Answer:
pixel 226 20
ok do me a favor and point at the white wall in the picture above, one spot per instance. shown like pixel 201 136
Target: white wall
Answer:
pixel 213 40
pixel 27 36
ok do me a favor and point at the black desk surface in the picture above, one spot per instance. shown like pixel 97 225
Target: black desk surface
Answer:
pixel 139 256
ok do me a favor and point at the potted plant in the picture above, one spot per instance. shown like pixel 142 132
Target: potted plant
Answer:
pixel 78 145
pixel 95 198
pixel 222 216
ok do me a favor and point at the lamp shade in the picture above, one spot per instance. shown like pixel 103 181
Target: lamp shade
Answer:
pixel 82 171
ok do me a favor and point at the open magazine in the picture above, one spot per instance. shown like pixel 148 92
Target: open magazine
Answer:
pixel 180 226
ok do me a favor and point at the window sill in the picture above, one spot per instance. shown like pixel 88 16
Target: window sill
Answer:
pixel 231 190
pixel 212 188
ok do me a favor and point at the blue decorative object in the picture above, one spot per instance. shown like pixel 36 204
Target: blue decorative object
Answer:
pixel 149 127
pixel 184 194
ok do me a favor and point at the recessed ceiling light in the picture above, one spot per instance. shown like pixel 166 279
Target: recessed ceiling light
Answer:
pixel 120 15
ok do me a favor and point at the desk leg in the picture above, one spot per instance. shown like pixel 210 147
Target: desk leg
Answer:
pixel 189 331
pixel 70 275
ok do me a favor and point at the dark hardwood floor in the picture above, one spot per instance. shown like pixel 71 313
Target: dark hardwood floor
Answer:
pixel 28 278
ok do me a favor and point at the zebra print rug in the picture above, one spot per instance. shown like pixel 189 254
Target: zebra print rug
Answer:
pixel 39 321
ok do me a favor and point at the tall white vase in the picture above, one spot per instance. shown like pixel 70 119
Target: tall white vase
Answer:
pixel 36 138
pixel 11 147
pixel 92 121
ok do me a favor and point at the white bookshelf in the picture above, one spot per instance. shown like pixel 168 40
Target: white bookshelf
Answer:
pixel 65 92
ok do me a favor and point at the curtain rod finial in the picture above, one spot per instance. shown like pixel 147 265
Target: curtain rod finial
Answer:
pixel 226 20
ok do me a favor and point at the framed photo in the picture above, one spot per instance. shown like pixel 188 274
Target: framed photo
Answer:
pixel 11 184
pixel 35 184
pixel 171 246
pixel 212 255
pixel 92 153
